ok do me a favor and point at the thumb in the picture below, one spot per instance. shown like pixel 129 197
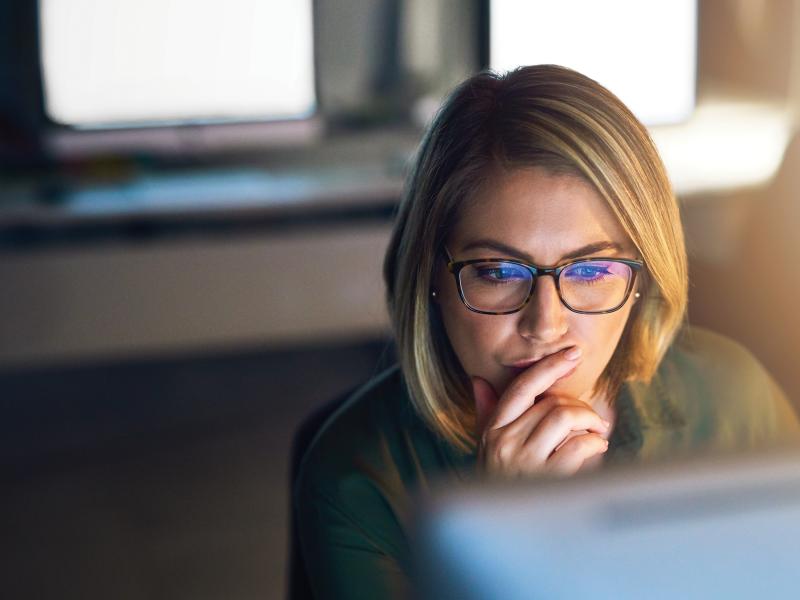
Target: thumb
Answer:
pixel 485 401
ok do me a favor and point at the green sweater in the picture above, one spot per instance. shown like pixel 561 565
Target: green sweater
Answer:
pixel 355 487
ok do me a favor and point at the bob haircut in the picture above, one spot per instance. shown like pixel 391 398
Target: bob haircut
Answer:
pixel 538 116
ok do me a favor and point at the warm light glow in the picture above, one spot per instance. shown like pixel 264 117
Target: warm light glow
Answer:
pixel 725 146
pixel 145 61
pixel 644 52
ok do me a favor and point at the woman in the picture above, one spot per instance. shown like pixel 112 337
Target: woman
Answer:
pixel 537 286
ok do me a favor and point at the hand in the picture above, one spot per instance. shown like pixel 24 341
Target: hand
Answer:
pixel 521 435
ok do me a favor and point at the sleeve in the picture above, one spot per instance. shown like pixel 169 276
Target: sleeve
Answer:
pixel 756 412
pixel 785 425
pixel 349 538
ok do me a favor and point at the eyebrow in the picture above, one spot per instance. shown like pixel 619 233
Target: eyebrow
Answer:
pixel 586 250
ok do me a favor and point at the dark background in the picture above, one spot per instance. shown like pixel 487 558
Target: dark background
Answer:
pixel 155 363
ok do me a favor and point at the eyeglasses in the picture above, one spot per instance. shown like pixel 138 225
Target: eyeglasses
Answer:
pixel 499 286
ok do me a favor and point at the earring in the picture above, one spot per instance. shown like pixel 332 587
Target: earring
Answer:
pixel 637 295
pixel 434 294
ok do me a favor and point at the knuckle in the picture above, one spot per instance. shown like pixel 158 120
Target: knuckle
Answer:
pixel 553 401
pixel 503 453
pixel 529 456
pixel 562 415
pixel 497 447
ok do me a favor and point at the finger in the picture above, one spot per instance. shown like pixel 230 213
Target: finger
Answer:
pixel 509 441
pixel 485 401
pixel 522 392
pixel 557 424
pixel 571 456
pixel 524 425
pixel 570 435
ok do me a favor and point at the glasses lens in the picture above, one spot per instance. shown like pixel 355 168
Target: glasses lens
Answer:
pixel 495 286
pixel 595 285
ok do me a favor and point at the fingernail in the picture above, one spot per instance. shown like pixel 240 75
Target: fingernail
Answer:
pixel 606 423
pixel 573 353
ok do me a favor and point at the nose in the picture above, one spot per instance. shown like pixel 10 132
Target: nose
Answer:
pixel 544 317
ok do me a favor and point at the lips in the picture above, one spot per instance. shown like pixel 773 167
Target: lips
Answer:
pixel 527 362
pixel 517 370
pixel 519 366
pixel 524 364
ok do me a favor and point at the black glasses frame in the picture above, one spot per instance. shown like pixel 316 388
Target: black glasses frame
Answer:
pixel 455 268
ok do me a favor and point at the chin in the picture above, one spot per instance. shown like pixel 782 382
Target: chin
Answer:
pixel 500 384
pixel 562 389
pixel 568 386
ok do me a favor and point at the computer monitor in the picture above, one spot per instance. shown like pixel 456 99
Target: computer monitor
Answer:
pixel 172 76
pixel 644 52
pixel 709 528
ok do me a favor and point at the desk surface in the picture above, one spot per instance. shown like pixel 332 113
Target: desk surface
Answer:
pixel 355 177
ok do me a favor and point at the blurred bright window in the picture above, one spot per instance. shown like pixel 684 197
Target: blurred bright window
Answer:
pixel 143 62
pixel 643 51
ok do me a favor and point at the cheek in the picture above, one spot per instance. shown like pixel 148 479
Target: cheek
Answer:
pixel 478 341
pixel 601 337
pixel 598 335
pixel 462 326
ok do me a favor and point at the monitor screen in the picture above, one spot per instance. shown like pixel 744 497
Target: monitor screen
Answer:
pixel 140 63
pixel 720 527
pixel 644 52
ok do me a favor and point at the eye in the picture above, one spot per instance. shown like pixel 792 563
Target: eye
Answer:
pixel 587 272
pixel 501 272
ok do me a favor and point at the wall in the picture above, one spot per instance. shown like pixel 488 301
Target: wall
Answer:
pixel 751 293
pixel 123 299
pixel 163 297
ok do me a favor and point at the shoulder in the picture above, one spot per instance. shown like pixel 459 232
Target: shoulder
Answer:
pixel 704 345
pixel 350 435
pixel 360 472
pixel 335 488
pixel 707 362
pixel 704 360
pixel 723 390
pixel 350 495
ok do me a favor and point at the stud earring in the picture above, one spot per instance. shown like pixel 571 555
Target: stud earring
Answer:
pixel 637 295
pixel 434 294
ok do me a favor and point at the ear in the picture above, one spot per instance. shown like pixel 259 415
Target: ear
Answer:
pixel 438 278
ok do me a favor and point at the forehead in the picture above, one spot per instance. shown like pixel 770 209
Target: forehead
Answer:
pixel 546 215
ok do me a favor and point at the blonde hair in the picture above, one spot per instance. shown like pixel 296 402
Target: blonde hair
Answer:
pixel 550 117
